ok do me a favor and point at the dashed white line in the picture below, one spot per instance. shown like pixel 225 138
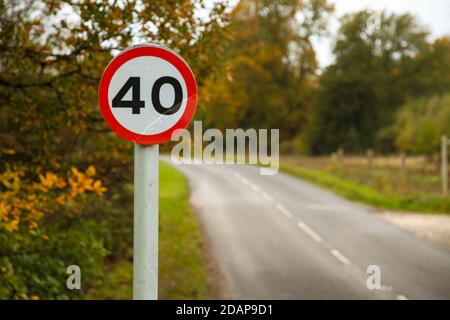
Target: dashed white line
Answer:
pixel 283 210
pixel 245 181
pixel 386 288
pixel 328 207
pixel 266 196
pixel 309 231
pixel 340 257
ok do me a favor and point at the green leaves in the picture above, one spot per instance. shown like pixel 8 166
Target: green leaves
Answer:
pixel 421 122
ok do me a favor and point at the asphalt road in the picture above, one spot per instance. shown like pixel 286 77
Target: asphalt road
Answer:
pixel 278 237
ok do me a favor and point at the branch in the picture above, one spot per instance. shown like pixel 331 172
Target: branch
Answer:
pixel 47 83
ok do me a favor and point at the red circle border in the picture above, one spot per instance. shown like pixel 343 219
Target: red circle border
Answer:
pixel 155 51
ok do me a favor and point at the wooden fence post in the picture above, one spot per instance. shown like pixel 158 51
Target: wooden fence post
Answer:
pixel 403 161
pixel 340 156
pixel 369 158
pixel 444 164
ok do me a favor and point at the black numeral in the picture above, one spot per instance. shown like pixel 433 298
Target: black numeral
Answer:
pixel 178 95
pixel 135 103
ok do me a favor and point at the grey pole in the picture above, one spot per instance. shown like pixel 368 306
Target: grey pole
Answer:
pixel 145 254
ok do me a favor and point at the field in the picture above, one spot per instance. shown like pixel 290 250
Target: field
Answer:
pixel 182 260
pixel 384 183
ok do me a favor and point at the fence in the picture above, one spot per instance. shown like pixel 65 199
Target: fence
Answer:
pixel 400 162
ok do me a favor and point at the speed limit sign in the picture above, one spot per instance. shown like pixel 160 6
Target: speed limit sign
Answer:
pixel 146 93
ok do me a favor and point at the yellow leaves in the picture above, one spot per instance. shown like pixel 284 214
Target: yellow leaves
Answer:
pixel 98 188
pixel 60 200
pixel 90 171
pixel 75 171
pixel 28 203
pixel 4 211
pixel 83 182
pixel 12 225
pixel 8 151
pixel 11 179
pixel 51 180
pixel 33 225
pixel 34 297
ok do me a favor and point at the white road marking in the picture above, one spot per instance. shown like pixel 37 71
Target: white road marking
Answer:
pixel 328 207
pixel 245 181
pixel 340 257
pixel 386 288
pixel 309 231
pixel 305 228
pixel 266 196
pixel 283 210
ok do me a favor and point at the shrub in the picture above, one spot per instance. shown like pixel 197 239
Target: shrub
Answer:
pixel 421 122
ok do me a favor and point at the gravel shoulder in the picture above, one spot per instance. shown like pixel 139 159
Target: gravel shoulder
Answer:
pixel 433 227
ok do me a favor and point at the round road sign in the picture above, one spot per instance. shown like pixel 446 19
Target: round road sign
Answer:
pixel 146 93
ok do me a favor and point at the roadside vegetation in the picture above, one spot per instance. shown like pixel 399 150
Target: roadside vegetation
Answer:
pixel 410 180
pixel 384 185
pixel 182 258
pixel 65 178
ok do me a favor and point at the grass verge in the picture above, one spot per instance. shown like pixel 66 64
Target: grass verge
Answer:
pixel 364 194
pixel 182 258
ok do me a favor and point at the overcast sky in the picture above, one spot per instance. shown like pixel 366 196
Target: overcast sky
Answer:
pixel 434 14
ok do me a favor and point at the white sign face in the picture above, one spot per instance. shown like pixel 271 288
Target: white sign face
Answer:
pixel 146 93
pixel 147 70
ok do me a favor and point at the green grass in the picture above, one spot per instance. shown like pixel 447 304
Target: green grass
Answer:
pixel 182 260
pixel 420 202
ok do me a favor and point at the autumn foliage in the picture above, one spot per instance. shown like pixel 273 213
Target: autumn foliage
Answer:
pixel 64 177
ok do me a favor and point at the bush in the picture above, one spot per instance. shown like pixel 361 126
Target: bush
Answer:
pixel 46 224
pixel 421 122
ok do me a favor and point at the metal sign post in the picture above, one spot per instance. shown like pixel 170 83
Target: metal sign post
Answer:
pixel 145 254
pixel 146 94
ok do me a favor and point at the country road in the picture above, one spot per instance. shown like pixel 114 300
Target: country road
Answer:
pixel 278 237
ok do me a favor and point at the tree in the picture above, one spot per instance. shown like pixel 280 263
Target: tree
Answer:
pixel 421 122
pixel 362 90
pixel 54 145
pixel 271 66
pixel 428 71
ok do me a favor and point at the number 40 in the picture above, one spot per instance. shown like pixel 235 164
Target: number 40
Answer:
pixel 134 83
